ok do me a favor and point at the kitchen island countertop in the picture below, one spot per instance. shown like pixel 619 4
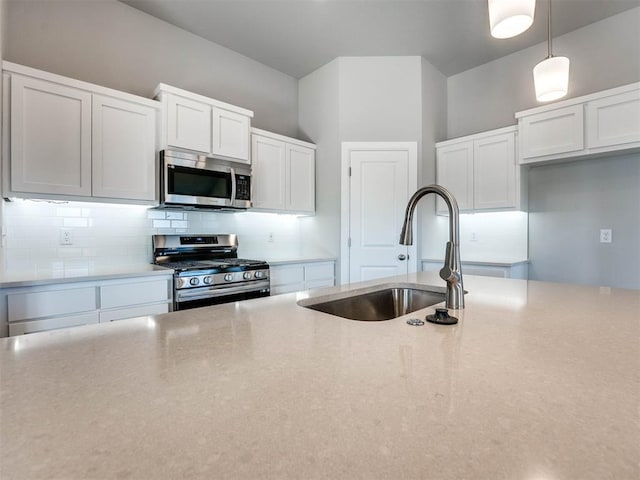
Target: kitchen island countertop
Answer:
pixel 537 381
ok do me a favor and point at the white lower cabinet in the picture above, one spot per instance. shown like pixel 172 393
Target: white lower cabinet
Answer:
pixel 48 307
pixel 516 270
pixel 301 276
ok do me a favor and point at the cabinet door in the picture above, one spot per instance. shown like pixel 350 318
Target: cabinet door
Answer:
pixel 455 173
pixel 614 120
pixel 494 172
pixel 50 138
pixel 301 179
pixel 556 132
pixel 230 134
pixel 188 124
pixel 123 149
pixel 268 173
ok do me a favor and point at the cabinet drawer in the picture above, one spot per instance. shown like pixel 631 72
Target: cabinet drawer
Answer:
pixel 34 326
pixel 126 294
pixel 283 275
pixel 318 271
pixel 24 306
pixel 139 311
pixel 327 282
pixel 292 287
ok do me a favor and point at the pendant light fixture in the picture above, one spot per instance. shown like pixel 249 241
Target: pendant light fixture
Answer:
pixel 508 18
pixel 551 76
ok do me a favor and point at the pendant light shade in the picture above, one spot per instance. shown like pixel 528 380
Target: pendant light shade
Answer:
pixel 551 78
pixel 509 18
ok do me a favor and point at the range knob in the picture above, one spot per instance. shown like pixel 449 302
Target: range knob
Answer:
pixel 179 282
pixel 228 277
pixel 208 279
pixel 194 281
pixel 259 274
pixel 246 275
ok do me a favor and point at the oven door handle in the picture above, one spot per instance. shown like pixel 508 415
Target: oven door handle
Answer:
pixel 232 172
pixel 220 291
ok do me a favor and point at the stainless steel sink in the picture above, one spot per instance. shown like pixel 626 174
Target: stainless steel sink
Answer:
pixel 384 303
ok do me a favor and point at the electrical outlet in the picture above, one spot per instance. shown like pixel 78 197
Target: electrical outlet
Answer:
pixel 474 237
pixel 65 237
pixel 605 235
pixel 270 239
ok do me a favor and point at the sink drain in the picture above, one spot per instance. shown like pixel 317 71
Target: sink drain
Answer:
pixel 416 322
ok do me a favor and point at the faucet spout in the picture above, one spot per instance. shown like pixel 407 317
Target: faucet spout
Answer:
pixel 451 271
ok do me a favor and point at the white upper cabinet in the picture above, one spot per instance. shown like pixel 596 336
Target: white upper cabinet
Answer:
pixel 72 140
pixel 123 143
pixel 194 122
pixel 188 124
pixel 613 122
pixel 480 171
pixel 231 133
pixel 50 138
pixel 268 171
pixel 283 173
pixel 301 171
pixel 595 124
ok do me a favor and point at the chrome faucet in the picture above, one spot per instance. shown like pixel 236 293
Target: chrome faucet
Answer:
pixel 450 272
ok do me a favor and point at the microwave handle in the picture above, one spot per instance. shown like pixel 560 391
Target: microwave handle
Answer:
pixel 233 184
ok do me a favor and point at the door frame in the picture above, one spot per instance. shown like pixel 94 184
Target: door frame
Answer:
pixel 345 196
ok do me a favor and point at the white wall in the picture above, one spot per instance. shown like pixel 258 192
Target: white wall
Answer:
pixel 112 44
pixel 565 219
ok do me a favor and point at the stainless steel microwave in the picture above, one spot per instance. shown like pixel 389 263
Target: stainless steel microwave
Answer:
pixel 193 180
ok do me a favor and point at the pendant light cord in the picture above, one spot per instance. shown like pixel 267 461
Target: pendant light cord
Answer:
pixel 549 30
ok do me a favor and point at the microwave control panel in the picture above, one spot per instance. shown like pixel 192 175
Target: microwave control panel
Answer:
pixel 243 187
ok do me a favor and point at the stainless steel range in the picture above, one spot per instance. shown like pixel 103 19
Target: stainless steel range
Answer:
pixel 208 270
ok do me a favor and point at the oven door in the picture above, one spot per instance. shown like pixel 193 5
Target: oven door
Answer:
pixel 205 296
pixel 198 183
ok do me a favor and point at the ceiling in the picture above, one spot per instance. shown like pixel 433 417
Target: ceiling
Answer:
pixel 298 36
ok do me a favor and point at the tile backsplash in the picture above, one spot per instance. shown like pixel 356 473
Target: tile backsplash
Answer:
pixel 121 234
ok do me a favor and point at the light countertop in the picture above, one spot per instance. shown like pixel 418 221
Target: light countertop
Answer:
pixel 537 381
pixel 498 262
pixel 58 272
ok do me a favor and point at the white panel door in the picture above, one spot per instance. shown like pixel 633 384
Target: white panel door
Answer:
pixel 50 138
pixel 231 133
pixel 494 164
pixel 123 149
pixel 382 180
pixel 614 120
pixel 454 167
pixel 268 173
pixel 188 124
pixel 301 179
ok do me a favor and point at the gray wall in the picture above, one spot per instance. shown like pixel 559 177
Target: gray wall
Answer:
pixel 111 44
pixel 569 203
pixel 603 55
